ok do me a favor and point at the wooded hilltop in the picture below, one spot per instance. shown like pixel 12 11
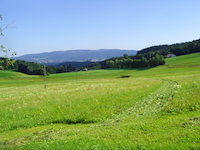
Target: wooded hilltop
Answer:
pixel 148 57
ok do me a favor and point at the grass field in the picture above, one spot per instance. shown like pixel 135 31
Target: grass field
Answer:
pixel 155 108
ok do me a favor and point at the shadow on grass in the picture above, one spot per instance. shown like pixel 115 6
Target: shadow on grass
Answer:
pixel 75 121
pixel 14 70
pixel 124 76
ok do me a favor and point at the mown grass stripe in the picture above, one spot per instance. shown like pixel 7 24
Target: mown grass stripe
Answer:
pixel 148 105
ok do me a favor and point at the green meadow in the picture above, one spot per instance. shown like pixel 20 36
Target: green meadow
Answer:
pixel 153 108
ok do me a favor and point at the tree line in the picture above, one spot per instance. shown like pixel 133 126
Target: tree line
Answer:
pixel 32 68
pixel 177 49
pixel 126 61
pixel 148 57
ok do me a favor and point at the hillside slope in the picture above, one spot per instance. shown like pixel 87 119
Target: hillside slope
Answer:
pixel 75 55
pixel 177 49
pixel 154 108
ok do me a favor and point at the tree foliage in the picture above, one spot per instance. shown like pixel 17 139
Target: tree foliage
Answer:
pixel 4 60
pixel 32 68
pixel 151 56
pixel 151 60
pixel 177 49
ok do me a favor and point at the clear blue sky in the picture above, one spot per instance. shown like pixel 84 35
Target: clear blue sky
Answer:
pixel 51 25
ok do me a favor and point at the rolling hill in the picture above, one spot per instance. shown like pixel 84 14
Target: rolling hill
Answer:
pixel 75 55
pixel 154 108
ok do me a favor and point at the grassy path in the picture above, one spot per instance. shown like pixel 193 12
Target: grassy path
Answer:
pixel 147 106
pixel 156 108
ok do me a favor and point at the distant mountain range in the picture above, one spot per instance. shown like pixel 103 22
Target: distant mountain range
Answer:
pixel 57 57
pixel 74 64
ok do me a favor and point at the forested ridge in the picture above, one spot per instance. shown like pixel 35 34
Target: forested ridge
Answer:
pixel 57 57
pixel 177 49
pixel 32 68
pixel 148 57
pixel 151 56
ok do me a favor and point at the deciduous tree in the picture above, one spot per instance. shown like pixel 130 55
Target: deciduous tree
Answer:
pixel 4 60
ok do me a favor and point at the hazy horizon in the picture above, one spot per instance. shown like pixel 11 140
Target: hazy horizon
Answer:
pixel 48 25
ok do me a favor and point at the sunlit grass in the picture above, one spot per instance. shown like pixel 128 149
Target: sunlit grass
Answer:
pixel 94 100
pixel 155 108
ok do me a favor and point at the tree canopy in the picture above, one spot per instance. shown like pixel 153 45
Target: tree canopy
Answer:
pixel 177 49
pixel 4 60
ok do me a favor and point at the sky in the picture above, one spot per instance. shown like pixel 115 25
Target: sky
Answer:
pixel 37 26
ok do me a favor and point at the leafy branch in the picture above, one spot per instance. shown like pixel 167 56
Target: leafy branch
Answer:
pixel 5 61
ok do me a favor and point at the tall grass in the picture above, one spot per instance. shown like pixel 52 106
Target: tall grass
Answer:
pixel 156 108
pixel 70 102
